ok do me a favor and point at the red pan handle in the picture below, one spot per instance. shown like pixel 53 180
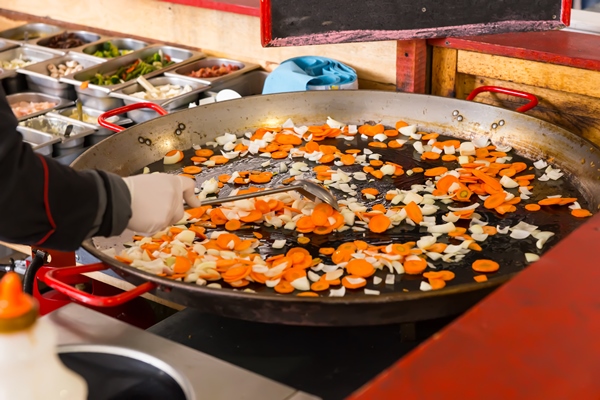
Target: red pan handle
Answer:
pixel 533 101
pixel 51 277
pixel 122 110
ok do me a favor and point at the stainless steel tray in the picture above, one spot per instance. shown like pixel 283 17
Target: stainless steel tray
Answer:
pixel 37 97
pixel 97 96
pixel 39 29
pixel 249 84
pixel 28 52
pixel 38 73
pixel 85 36
pixel 139 116
pixel 65 113
pixel 42 123
pixel 7 44
pixel 182 71
pixel 121 43
pixel 40 142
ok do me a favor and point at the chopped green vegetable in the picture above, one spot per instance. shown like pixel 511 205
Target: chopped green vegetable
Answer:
pixel 132 71
pixel 109 50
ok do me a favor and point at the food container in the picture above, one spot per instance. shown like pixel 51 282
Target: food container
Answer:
pixel 83 36
pixel 7 44
pixel 171 104
pixel 56 127
pixel 98 97
pixel 33 32
pixel 120 43
pixel 249 84
pixel 40 142
pixel 37 98
pixel 13 82
pixel 100 133
pixel 39 79
pixel 183 71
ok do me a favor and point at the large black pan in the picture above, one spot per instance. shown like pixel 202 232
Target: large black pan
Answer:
pixel 128 152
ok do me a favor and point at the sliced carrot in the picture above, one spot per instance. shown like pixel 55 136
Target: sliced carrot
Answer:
pixel 489 230
pixel 567 200
pixel 182 265
pixel 483 265
pixel 437 171
pixel 379 223
pixel 505 208
pixel 284 287
pixel 351 285
pixel 233 225
pixel 257 235
pixel 124 259
pixel 493 183
pixel 494 200
pixel 462 194
pixel 415 267
pixel 437 284
pixel 292 274
pixel 400 249
pixel 347 159
pixel 319 286
pixel 550 201
pixel 480 278
pixel 378 145
pixel 360 268
pixel 519 166
pixel 414 212
pixel 430 155
pixel 217 217
pixel 252 216
pixel 224 178
pixel 204 152
pixel 326 251
pixel 192 170
pixel 219 160
pixel 400 124
pixel 307 294
pixel 532 207
pixel 224 240
pixel 581 213
pixel 327 158
pixel 448 157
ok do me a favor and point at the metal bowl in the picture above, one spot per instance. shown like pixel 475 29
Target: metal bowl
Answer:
pixel 143 115
pixel 40 142
pixel 56 127
pixel 100 133
pixel 12 82
pixel 39 79
pixel 37 97
pixel 84 36
pixel 35 31
pixel 209 62
pixel 120 43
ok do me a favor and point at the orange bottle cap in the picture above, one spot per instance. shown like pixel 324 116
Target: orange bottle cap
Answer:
pixel 13 302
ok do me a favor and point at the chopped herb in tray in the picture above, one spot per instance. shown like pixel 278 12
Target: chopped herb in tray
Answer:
pixel 109 50
pixel 134 70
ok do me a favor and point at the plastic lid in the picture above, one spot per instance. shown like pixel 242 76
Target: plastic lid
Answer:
pixel 13 302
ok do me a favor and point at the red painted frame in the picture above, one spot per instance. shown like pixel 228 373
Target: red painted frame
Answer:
pixel 268 40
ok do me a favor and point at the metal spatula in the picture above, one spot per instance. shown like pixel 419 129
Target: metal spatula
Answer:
pixel 306 188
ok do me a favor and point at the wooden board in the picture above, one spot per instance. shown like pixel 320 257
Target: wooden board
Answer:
pixel 309 22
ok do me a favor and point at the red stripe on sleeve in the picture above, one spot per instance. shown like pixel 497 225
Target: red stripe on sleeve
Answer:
pixel 46 203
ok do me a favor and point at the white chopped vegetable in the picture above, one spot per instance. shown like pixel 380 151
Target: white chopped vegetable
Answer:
pixel 408 130
pixel 279 244
pixel 390 279
pixel 337 292
pixel 519 234
pixel 377 280
pixel 466 149
pixel 425 287
pixel 531 257
pixel 371 292
pixel 301 283
pixel 508 182
pixel 540 164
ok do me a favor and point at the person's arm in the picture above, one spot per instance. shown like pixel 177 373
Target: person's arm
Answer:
pixel 47 204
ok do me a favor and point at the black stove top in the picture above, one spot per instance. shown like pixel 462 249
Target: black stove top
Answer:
pixel 327 362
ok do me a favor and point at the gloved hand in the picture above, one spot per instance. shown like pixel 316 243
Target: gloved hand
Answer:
pixel 157 200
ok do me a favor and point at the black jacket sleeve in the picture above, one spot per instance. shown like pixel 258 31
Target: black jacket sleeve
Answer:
pixel 50 205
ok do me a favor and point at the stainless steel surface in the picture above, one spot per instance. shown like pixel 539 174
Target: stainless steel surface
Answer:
pixel 7 44
pixel 210 62
pixel 57 127
pixel 200 376
pixel 120 43
pixel 171 104
pixel 309 189
pixel 65 113
pixel 86 37
pixel 97 96
pixel 27 53
pixel 40 29
pixel 36 98
pixel 39 79
pixel 40 142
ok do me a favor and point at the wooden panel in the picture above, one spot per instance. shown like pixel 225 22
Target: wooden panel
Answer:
pixel 555 47
pixel 216 32
pixel 557 77
pixel 296 23
pixel 536 337
pixel 411 66
pixel 576 113
pixel 443 72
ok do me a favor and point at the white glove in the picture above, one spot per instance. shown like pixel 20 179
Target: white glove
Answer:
pixel 157 200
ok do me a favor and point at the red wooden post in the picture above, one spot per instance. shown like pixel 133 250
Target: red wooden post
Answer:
pixel 411 66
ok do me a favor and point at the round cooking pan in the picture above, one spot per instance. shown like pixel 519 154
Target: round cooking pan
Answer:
pixel 131 150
